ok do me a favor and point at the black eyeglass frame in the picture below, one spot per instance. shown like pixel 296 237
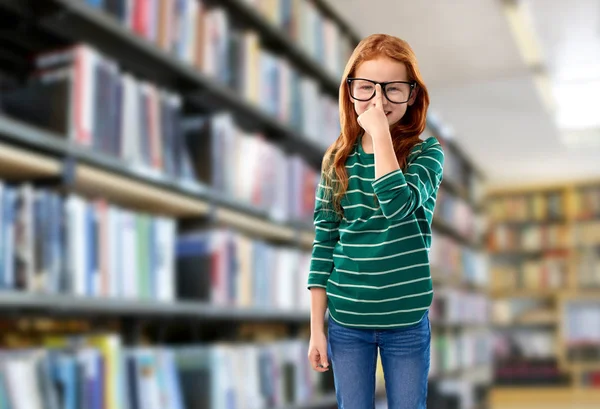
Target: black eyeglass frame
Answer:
pixel 412 84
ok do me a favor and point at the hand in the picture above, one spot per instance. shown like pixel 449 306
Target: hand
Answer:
pixel 317 352
pixel 373 120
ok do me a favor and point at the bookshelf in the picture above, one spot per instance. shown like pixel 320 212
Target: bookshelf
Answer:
pixel 50 159
pixel 544 269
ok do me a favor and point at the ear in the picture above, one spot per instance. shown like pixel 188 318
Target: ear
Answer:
pixel 413 96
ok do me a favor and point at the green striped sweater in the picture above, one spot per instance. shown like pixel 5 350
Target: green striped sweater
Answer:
pixel 374 262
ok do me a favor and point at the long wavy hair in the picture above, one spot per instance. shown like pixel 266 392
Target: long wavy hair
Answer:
pixel 405 134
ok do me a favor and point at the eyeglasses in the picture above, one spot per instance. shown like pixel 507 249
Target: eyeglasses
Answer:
pixel 397 92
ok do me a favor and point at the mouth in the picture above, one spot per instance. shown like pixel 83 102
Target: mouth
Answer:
pixel 388 113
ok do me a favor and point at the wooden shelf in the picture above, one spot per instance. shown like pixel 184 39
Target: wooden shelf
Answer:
pixel 452 280
pixel 128 192
pixel 526 293
pixel 307 238
pixel 17 164
pixel 478 371
pixel 530 324
pixel 581 295
pixel 254 225
pixel 522 223
pixel 458 325
pixel 551 397
pixel 528 253
pixel 582 366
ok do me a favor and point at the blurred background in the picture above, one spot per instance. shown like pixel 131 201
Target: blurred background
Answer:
pixel 158 165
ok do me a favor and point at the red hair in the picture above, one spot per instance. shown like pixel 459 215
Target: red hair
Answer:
pixel 405 134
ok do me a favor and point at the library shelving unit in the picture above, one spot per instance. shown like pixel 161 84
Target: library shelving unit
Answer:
pixel 543 244
pixel 461 350
pixel 44 151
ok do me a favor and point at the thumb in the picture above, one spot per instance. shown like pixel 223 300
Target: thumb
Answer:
pixel 324 360
pixel 378 97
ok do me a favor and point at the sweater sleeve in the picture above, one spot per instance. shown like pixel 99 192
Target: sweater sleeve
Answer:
pixel 401 193
pixel 326 222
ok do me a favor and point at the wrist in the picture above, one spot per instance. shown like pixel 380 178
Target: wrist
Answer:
pixel 317 326
pixel 382 134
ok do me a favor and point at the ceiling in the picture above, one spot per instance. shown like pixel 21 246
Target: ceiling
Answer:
pixel 481 86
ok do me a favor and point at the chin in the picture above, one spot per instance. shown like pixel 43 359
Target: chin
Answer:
pixel 393 121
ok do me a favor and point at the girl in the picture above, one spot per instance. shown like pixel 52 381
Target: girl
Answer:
pixel 373 214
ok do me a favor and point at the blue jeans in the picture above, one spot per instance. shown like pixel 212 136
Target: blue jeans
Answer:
pixel 405 354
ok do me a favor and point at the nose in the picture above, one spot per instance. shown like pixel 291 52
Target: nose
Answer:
pixel 384 102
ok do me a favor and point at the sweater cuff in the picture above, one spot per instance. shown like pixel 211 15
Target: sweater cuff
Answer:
pixel 386 182
pixel 317 280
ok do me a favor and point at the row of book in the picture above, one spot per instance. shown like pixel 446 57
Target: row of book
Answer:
pixel 95 372
pixel 586 203
pixel 453 306
pixel 538 372
pixel 507 312
pixel 99 372
pixel 529 238
pixel 143 127
pixel 56 244
pixel 59 244
pixel 588 268
pixel 249 169
pixel 185 27
pixel 462 351
pixel 82 96
pixel 228 268
pixel 531 207
pixel 451 261
pixel 457 213
pixel 591 379
pixel 582 323
pixel 587 233
pixel 318 35
pixel 209 40
pixel 527 343
pixel 547 273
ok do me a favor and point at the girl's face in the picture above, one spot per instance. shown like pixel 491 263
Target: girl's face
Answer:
pixel 383 69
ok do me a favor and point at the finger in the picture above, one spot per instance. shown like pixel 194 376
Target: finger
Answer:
pixel 324 361
pixel 378 97
pixel 315 362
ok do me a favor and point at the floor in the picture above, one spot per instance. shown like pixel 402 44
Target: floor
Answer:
pixel 544 398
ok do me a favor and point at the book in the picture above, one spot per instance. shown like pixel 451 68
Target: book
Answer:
pixel 224 267
pixel 58 244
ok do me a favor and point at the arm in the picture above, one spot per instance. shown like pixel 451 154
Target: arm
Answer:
pixel 321 264
pixel 318 306
pixel 326 236
pixel 401 193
